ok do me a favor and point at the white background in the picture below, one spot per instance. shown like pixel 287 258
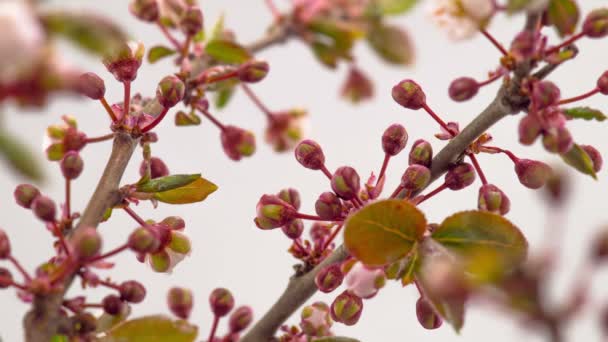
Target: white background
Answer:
pixel 229 251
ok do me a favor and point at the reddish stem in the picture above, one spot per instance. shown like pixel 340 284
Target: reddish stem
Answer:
pixel 186 47
pixel 108 109
pixel 433 193
pixel 68 196
pixel 109 254
pixel 222 77
pixel 273 9
pixel 494 42
pixel 136 217
pixel 109 284
pixel 20 268
pixel 397 191
pixel 19 286
pixel 438 119
pixel 127 100
pixel 256 100
pixel 169 36
pixel 216 320
pixel 580 97
pixel 357 201
pixel 92 305
pixel 108 136
pixel 299 245
pixel 387 157
pixel 333 236
pixel 61 238
pixel 510 154
pixel 482 176
pixel 156 121
pixel 565 43
pixel 326 172
pixel 491 79
pixel 213 120
pixel 309 217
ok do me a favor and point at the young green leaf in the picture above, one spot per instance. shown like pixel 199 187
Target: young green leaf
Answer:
pixel 184 119
pixel 564 15
pixel 195 191
pixel 393 7
pixel 391 43
pixel 585 113
pixel 159 52
pixel 19 157
pixel 227 51
pixel 580 160
pixel 383 232
pixel 156 328
pixel 166 183
pixel 516 5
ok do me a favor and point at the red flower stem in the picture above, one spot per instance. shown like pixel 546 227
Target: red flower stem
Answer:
pixel 68 196
pixel 256 100
pixel 491 79
pixel 494 42
pixel 300 247
pixel 580 97
pixel 510 154
pixel 67 268
pixel 156 121
pixel 565 43
pixel 357 201
pixel 127 100
pixel 108 136
pixel 387 157
pixel 19 286
pixel 216 320
pixel 482 176
pixel 433 193
pixel 333 236
pixel 109 254
pixel 186 47
pixel 326 172
pixel 419 288
pixel 20 268
pixel 168 35
pixel 309 217
pixel 273 9
pixel 91 305
pixel 61 238
pixel 136 217
pixel 108 109
pixel 109 284
pixel 437 119
pixel 397 191
pixel 222 77
pixel 213 120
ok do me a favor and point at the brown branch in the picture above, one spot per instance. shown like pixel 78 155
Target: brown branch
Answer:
pixel 279 34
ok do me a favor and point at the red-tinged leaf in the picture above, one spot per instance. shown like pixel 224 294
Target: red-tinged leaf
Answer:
pixel 227 51
pixel 564 15
pixel 580 160
pixel 159 52
pixel 152 329
pixel 195 191
pixel 383 232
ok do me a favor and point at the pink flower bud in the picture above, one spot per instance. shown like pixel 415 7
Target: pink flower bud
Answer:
pixel 192 21
pixel 240 319
pixel 531 173
pixel 544 94
pixel 146 10
pixel 529 129
pixel 253 71
pixel 91 85
pixel 44 208
pixel 310 155
pixel 415 178
pixel 174 223
pixel 237 142
pixel 180 302
pixel 346 308
pixel 357 87
pixel 170 91
pixel 602 83
pixel 329 278
pixel 158 168
pixel 273 212
pixel 427 317
pixel 421 153
pixel 112 305
pixel 492 199
pixel 364 282
pixel 74 140
pixel 316 320
pixel 132 291
pixel 25 194
pixel 125 61
pixel 5 245
pixel 463 89
pixel 328 206
pixel 143 240
pixel 596 23
pixel 346 183
pixel 460 176
pixel 557 139
pixel 71 165
pixel 221 302
pixel 6 278
pixel 524 46
pixel 86 243
pixel 394 139
pixel 291 196
pixel 408 94
pixel 595 156
pixel 293 229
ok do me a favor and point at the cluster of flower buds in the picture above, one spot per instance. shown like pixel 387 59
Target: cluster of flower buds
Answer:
pixel 64 138
pixel 29 197
pixel 315 320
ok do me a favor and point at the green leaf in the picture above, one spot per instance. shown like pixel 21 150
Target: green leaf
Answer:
pixel 342 36
pixel 223 96
pixel 383 232
pixel 393 7
pixel 60 338
pixel 325 54
pixel 19 157
pixel 184 119
pixel 516 5
pixel 89 32
pixel 564 15
pixel 227 51
pixel 152 329
pixel 489 244
pixel 159 52
pixel 166 183
pixel 391 43
pixel 580 160
pixel 585 113
pixel 194 192
pixel 218 28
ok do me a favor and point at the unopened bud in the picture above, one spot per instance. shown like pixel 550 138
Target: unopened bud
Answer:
pixel 74 140
pixel 329 278
pixel 310 155
pixel 492 199
pixel 180 302
pixel 463 89
pixel 192 21
pixel 328 206
pixel 240 319
pixel 415 178
pixel 315 320
pixel 158 168
pixel 427 317
pixel 408 94
pixel 174 223
pixel 346 183
pixel 132 291
pixel 602 83
pixel 460 176
pixel 86 243
pixel 531 173
pixel 5 245
pixel 71 165
pixel 170 91
pixel 421 153
pixel 524 46
pixel 143 240
pixel 253 71
pixel 112 305
pixel 237 142
pixel 124 62
pixel 557 140
pixel 394 139
pixel 293 229
pixel 544 94
pixel 221 302
pixel 44 208
pixel 91 85
pixel 146 10
pixel 596 23
pixel 273 212
pixel 346 308
pixel 291 196
pixel 595 156
pixel 25 194
pixel 6 278
pixel 529 129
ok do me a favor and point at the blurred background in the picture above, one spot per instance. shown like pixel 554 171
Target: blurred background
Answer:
pixel 229 251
